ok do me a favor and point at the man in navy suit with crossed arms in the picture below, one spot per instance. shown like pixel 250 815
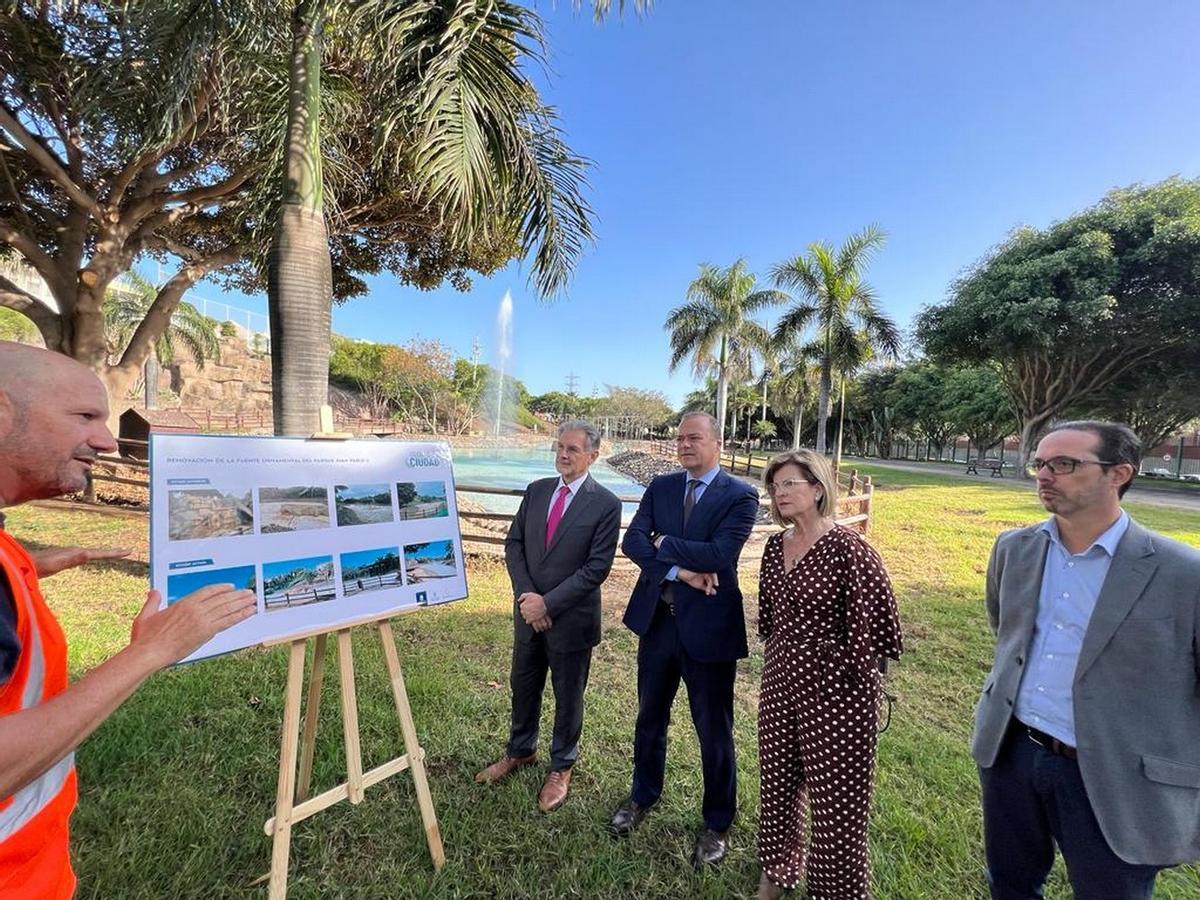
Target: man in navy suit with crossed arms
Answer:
pixel 687 611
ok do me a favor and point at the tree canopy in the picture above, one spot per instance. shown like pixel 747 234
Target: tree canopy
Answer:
pixel 156 127
pixel 1066 311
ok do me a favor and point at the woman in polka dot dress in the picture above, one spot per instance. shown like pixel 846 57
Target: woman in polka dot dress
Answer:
pixel 827 614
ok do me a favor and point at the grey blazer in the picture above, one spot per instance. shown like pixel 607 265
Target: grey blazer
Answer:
pixel 1136 692
pixel 569 572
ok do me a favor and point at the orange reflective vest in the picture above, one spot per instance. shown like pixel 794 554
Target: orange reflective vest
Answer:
pixel 34 859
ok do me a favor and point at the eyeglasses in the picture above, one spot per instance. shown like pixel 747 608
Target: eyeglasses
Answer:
pixel 786 487
pixel 1063 465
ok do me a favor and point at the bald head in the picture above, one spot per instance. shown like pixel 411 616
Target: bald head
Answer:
pixel 53 423
pixel 29 373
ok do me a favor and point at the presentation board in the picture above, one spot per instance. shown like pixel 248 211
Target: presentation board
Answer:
pixel 324 532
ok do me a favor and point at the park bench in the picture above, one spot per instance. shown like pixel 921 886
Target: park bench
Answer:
pixel 995 465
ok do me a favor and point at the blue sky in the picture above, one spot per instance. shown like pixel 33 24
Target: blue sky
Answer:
pixel 750 129
pixel 179 586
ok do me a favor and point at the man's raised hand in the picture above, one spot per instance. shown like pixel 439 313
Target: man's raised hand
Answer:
pixel 168 635
pixel 55 559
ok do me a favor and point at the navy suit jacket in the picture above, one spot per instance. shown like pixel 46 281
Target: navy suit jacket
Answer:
pixel 569 572
pixel 711 629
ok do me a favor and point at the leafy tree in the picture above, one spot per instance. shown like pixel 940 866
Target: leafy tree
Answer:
pixel 1156 399
pixel 702 399
pixel 917 396
pixel 874 406
pixel 358 365
pixel 977 405
pixel 714 327
pixel 105 165
pixel 1064 312
pixel 840 306
pixel 743 401
pixel 406 492
pixel 448 97
pixel 649 407
pixel 763 429
pixel 559 403
pixel 794 386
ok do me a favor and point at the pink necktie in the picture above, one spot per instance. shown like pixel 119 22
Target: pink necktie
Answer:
pixel 556 513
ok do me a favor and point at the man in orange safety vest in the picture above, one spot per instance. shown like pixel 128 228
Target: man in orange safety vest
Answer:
pixel 53 415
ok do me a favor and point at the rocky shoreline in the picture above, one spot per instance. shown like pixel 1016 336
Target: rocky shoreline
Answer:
pixel 641 467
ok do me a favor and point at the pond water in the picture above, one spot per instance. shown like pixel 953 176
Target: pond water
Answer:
pixel 516 467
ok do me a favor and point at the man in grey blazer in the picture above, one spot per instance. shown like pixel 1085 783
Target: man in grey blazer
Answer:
pixel 1087 734
pixel 558 552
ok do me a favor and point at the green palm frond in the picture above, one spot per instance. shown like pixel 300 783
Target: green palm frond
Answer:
pixel 794 322
pixel 694 328
pixel 835 302
pixel 602 8
pixel 461 118
pixel 126 305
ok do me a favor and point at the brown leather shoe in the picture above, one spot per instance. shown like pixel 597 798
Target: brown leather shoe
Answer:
pixel 554 790
pixel 502 768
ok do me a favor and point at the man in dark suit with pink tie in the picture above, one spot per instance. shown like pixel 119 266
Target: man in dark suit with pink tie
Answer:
pixel 559 551
pixel 687 612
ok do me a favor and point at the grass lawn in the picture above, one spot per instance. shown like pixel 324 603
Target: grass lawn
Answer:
pixel 176 785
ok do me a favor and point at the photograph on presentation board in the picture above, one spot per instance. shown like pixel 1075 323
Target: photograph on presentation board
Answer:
pixel 209 513
pixel 290 583
pixel 182 584
pixel 313 526
pixel 431 561
pixel 292 508
pixel 363 504
pixel 422 500
pixel 370 570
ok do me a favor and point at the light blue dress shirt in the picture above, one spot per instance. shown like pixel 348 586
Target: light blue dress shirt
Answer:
pixel 703 482
pixel 1071 584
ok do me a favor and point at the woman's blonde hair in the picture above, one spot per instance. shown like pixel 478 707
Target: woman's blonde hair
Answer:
pixel 819 472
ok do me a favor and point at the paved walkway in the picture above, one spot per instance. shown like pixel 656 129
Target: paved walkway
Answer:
pixel 1140 492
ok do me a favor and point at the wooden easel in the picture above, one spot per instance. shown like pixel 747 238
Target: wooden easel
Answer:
pixel 292 801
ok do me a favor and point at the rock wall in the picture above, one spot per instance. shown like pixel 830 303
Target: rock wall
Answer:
pixel 237 382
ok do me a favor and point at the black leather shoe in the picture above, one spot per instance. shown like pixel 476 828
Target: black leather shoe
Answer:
pixel 711 847
pixel 628 816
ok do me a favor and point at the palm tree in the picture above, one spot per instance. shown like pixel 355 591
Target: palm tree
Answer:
pixel 793 387
pixel 839 304
pixel 126 307
pixel 456 115
pixel 714 329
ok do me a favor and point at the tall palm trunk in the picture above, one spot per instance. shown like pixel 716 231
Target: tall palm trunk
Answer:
pixel 150 373
pixel 837 457
pixel 797 423
pixel 722 388
pixel 299 280
pixel 823 402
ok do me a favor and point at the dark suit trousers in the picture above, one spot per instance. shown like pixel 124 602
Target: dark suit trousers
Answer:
pixel 1034 799
pixel 662 661
pixel 568 677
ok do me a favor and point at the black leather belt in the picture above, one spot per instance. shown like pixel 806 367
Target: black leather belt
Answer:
pixel 1051 743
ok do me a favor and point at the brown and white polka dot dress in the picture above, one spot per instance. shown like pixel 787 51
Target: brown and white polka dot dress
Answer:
pixel 825 624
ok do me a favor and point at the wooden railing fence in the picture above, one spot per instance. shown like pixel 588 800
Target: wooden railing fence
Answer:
pixel 855 494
